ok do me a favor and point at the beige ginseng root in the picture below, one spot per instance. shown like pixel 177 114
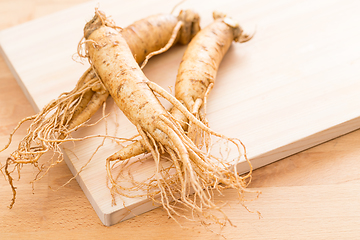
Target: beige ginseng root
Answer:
pixel 199 66
pixel 58 119
pixel 194 174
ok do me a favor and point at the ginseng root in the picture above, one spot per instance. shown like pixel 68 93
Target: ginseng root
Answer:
pixel 194 174
pixel 199 65
pixel 70 111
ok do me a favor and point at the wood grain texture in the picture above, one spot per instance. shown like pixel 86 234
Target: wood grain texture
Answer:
pixel 313 194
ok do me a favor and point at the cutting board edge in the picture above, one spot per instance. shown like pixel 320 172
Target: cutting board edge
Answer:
pixel 18 79
pixel 83 187
pixel 303 144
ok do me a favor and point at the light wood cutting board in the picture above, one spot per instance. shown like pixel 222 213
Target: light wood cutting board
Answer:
pixel 294 85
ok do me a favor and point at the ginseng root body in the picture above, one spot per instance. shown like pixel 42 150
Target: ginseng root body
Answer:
pixel 199 66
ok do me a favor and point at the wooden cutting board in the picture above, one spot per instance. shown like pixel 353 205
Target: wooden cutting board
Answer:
pixel 294 85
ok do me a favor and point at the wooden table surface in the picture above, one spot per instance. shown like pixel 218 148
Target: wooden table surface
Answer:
pixel 311 195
